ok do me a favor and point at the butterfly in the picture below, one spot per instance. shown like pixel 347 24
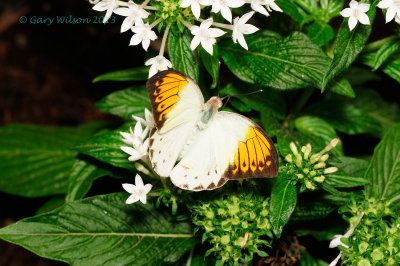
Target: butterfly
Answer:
pixel 199 147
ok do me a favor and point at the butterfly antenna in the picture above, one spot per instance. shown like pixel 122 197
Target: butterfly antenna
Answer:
pixel 236 95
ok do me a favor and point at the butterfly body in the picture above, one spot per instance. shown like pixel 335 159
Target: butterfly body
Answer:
pixel 197 146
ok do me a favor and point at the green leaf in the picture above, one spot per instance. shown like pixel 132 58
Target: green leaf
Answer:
pixel 384 169
pixel 271 124
pixel 182 57
pixel 312 207
pixel 50 205
pixel 35 160
pixel 333 7
pixel 342 87
pixel 299 138
pixel 103 230
pixel 291 8
pixel 350 174
pixel 320 33
pixel 320 128
pixel 105 146
pixel 125 103
pixel 385 52
pixel 387 114
pixel 391 66
pixel 283 202
pixel 344 116
pixel 81 178
pixel 308 260
pixel 211 63
pixel 269 101
pixel 290 63
pixel 131 74
pixel 347 47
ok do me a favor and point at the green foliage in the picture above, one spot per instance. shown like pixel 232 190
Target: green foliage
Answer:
pixel 234 225
pixel 36 160
pixel 131 74
pixel 103 230
pixel 384 169
pixel 282 63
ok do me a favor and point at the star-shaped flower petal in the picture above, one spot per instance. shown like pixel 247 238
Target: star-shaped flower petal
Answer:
pixel 224 6
pixel 240 27
pixel 140 147
pixel 356 13
pixel 158 63
pixel 143 34
pixel 271 5
pixel 109 5
pixel 138 191
pixel 257 5
pixel 134 15
pixel 393 9
pixel 195 5
pixel 148 122
pixel 337 242
pixel 205 35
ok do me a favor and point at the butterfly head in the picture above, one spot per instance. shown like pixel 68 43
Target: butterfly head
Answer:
pixel 215 102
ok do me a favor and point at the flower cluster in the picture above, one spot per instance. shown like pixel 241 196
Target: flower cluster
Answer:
pixel 375 235
pixel 356 12
pixel 308 168
pixel 234 225
pixel 143 18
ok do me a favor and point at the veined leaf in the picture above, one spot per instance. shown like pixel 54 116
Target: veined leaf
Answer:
pixel 290 63
pixel 105 146
pixel 347 47
pixel 350 174
pixel 384 169
pixel 342 87
pixel 299 138
pixel 283 202
pixel 391 66
pixel 103 230
pixel 385 52
pixel 308 260
pixel 35 160
pixel 320 33
pixel 320 128
pixel 131 74
pixel 182 57
pixel 81 178
pixel 291 8
pixel 125 103
pixel 311 207
pixel 211 63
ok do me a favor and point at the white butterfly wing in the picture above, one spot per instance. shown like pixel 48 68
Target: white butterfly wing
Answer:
pixel 232 147
pixel 176 103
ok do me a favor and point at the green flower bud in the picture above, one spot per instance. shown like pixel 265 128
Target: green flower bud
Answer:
pixel 306 170
pixel 293 148
pixel 330 170
pixel 319 179
pixel 245 225
pixel 377 255
pixel 225 239
pixel 235 221
pixel 300 176
pixel 289 158
pixel 319 165
pixel 324 158
pixel 313 173
pixel 264 212
pixel 208 226
pixel 363 262
pixel 315 157
pixel 210 214
pixel 363 246
pixel 221 212
pixel 309 185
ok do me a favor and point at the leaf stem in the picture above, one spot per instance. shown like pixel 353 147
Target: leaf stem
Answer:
pixel 187 24
pixel 152 25
pixel 164 40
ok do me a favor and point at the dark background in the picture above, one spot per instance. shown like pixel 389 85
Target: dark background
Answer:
pixel 46 74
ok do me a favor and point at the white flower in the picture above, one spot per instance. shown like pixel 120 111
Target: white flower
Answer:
pixel 158 63
pixel 393 9
pixel 224 6
pixel 271 5
pixel 356 13
pixel 139 191
pixel 143 34
pixel 133 13
pixel 240 27
pixel 257 5
pixel 205 35
pixel 109 5
pixel 337 242
pixel 397 19
pixel 195 5
pixel 140 148
pixel 148 122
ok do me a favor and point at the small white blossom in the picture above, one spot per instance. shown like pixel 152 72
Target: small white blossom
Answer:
pixel 143 34
pixel 271 5
pixel 224 6
pixel 140 148
pixel 138 191
pixel 393 9
pixel 148 122
pixel 158 63
pixel 195 5
pixel 134 15
pixel 205 35
pixel 258 6
pixel 240 27
pixel 356 13
pixel 109 5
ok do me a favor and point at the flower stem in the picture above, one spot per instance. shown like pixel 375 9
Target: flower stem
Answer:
pixel 164 40
pixel 144 3
pixel 122 3
pixel 152 25
pixel 221 25
pixel 187 25
pixel 150 8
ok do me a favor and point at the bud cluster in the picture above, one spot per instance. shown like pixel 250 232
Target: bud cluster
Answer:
pixel 308 168
pixel 237 226
pixel 376 239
